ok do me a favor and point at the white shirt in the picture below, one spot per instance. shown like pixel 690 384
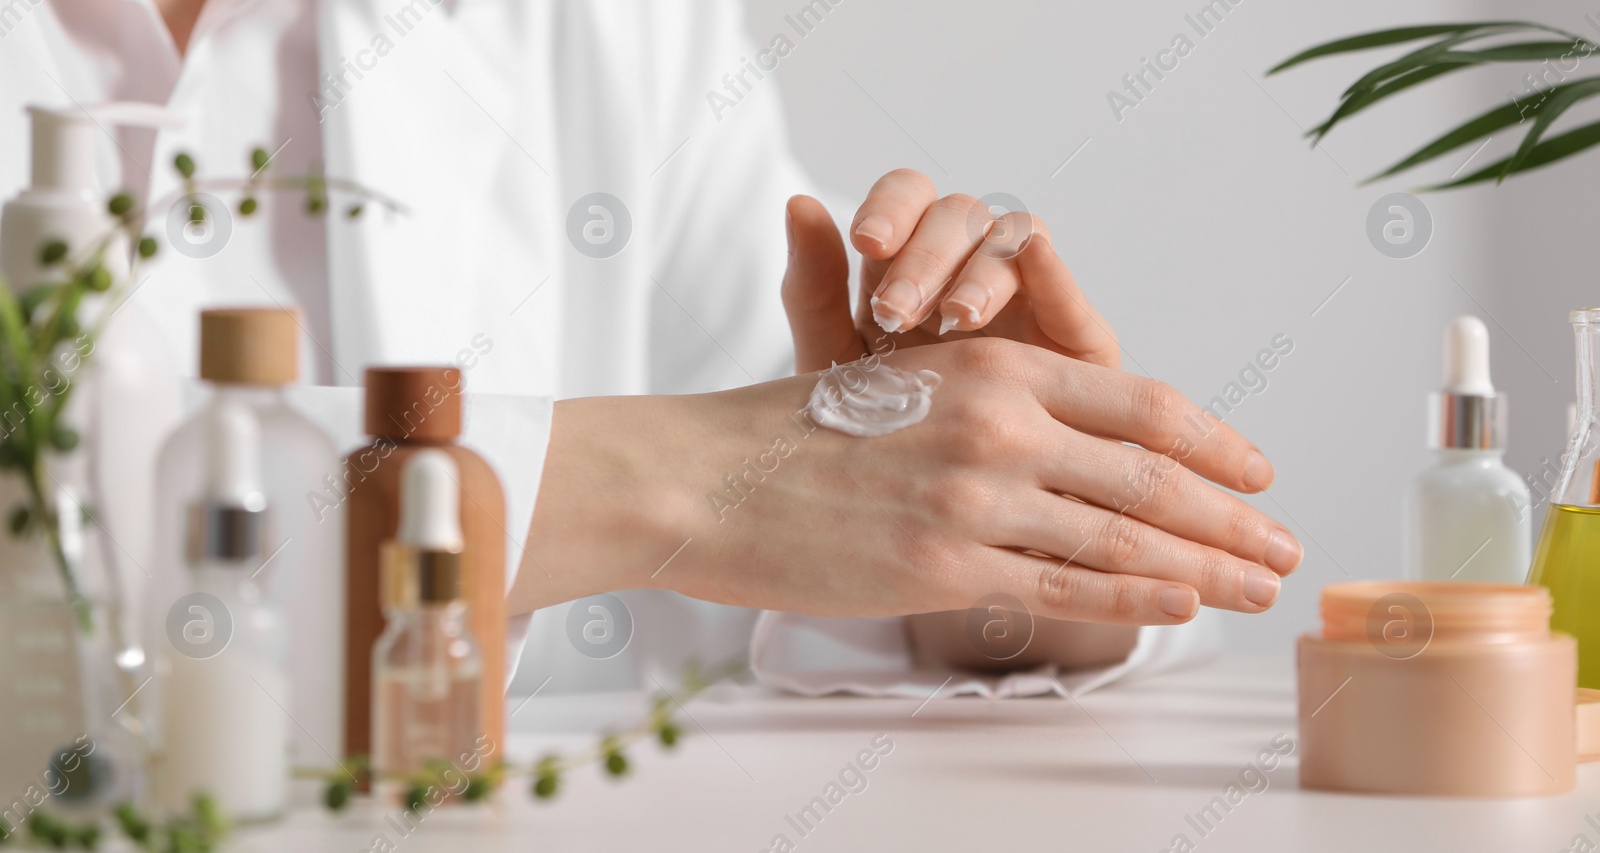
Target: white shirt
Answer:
pixel 493 123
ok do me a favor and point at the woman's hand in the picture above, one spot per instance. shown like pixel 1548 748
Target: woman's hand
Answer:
pixel 933 269
pixel 1018 481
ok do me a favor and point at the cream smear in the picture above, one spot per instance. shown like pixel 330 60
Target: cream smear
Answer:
pixel 866 400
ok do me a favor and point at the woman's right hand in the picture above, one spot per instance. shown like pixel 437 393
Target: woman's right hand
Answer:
pixel 1078 489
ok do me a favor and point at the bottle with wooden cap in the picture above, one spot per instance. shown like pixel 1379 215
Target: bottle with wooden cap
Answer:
pixel 248 357
pixel 412 410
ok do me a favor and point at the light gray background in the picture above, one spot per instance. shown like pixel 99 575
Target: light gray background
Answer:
pixel 1203 225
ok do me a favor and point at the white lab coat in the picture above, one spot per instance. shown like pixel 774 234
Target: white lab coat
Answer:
pixel 488 121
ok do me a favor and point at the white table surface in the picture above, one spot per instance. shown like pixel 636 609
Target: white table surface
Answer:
pixel 1118 771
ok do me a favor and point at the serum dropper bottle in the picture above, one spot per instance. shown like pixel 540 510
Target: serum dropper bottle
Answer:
pixel 1467 514
pixel 426 668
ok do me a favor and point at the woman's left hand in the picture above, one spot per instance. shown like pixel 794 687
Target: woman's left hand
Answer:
pixel 932 269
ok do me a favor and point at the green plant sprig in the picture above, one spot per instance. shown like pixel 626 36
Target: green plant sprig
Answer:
pixel 42 330
pixel 1447 52
pixel 609 752
pixel 200 831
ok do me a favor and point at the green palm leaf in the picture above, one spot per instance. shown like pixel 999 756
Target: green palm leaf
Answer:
pixel 1550 109
pixel 1384 38
pixel 1446 53
pixel 1545 153
pixel 1429 63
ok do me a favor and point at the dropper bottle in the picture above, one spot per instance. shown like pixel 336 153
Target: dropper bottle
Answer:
pixel 1467 515
pixel 426 669
pixel 224 732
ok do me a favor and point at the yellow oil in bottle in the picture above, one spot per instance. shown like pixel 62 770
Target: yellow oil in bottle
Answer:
pixel 1567 562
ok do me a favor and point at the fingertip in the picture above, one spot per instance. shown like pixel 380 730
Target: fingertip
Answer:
pixel 873 236
pixel 1258 472
pixel 1284 552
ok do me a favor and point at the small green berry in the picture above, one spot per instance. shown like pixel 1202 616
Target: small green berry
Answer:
pixel 416 798
pixel 668 735
pixel 89 837
pixel 477 789
pixel 247 206
pixel 133 824
pixel 52 252
pixel 63 438
pixel 197 212
pixel 185 165
pixel 546 785
pixel 353 211
pixel 18 520
pixel 616 764
pixel 209 813
pixel 259 158
pixel 98 279
pixel 147 247
pixel 120 204
pixel 337 796
pixel 315 204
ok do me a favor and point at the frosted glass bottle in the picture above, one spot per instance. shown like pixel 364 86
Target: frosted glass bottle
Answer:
pixel 248 356
pixel 224 732
pixel 1466 515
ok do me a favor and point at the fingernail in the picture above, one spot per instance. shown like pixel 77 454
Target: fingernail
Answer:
pixel 1178 603
pixel 947 323
pixel 877 229
pixel 1261 587
pixel 895 304
pixel 1283 552
pixel 888 320
pixel 1258 471
pixel 971 298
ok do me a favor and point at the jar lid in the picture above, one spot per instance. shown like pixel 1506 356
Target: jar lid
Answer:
pixel 1447 611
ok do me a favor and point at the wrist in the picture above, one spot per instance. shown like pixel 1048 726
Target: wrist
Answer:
pixel 607 514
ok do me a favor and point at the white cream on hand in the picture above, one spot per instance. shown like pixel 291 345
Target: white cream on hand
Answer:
pixel 869 398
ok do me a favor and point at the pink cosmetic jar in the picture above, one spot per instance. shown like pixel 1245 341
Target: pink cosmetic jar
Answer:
pixel 1442 689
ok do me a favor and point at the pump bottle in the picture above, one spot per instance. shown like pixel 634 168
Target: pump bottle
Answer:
pixel 1467 514
pixel 124 397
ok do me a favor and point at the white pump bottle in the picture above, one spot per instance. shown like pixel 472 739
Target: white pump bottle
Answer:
pixel 122 403
pixel 1467 515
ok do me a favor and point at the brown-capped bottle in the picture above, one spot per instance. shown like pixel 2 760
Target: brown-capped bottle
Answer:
pixel 408 410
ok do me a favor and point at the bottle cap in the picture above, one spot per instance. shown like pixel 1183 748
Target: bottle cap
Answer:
pixel 249 346
pixel 1467 413
pixel 423 563
pixel 414 403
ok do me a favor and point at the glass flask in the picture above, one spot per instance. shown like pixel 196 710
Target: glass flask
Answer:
pixel 1567 558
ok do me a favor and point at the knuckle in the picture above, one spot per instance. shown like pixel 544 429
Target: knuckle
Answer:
pixel 1059 587
pixel 1123 541
pixel 1158 405
pixel 1216 572
pixel 954 500
pixel 961 203
pixel 913 178
pixel 1244 528
pixel 991 357
pixel 923 261
pixel 981 436
pixel 1122 600
pixel 1154 479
